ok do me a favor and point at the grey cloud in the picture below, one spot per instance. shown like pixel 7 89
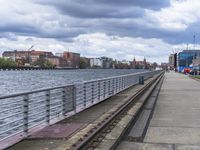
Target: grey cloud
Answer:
pixel 94 9
pixel 183 36
pixel 149 4
pixel 9 36
pixel 29 39
pixel 12 30
pixel 131 28
pixel 18 28
pixel 113 17
pixel 121 4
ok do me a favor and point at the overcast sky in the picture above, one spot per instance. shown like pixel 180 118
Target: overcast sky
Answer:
pixel 121 29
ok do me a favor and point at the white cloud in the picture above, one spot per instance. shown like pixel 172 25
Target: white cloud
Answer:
pixel 100 44
pixel 96 45
pixel 176 17
pixel 144 34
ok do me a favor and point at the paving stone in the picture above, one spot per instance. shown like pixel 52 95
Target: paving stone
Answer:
pixel 143 146
pixel 173 135
pixel 187 147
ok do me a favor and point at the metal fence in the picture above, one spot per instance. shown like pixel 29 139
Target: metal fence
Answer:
pixel 21 112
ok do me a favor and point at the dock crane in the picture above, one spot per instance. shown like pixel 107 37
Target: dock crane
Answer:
pixel 28 50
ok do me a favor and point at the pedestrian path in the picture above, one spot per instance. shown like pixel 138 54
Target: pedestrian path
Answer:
pixel 176 119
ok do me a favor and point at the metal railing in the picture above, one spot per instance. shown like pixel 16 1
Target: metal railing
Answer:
pixel 21 112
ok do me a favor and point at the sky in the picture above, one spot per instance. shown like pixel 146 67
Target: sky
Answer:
pixel 120 29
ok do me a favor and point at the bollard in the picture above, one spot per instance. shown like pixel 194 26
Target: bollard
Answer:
pixel 141 79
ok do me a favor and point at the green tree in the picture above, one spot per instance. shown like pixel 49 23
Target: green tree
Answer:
pixel 48 64
pixel 84 63
pixel 39 62
pixel 43 63
pixel 7 63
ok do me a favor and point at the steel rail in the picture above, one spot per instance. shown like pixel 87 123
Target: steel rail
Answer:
pixel 83 143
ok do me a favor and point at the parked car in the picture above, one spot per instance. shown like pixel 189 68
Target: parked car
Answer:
pixel 186 70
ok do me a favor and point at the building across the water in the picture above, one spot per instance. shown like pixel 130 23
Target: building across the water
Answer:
pixel 96 63
pixel 69 59
pixel 102 62
pixel 26 57
pixel 38 58
pixel 140 64
pixel 107 62
pixel 73 59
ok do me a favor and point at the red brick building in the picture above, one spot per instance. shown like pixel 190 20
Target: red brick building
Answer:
pixel 73 59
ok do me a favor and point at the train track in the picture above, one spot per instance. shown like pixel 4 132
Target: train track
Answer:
pixel 96 135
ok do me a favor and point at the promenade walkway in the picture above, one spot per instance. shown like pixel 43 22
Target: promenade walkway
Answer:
pixel 175 124
pixel 177 114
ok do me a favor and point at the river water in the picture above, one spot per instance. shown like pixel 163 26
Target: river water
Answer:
pixel 21 81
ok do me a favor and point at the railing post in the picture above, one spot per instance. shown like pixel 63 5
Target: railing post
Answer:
pixel 132 80
pixel 125 82
pixel 25 114
pixel 84 95
pixel 104 89
pixel 119 84
pixel 113 86
pixel 92 92
pixel 116 82
pixel 123 85
pixel 47 105
pixel 74 98
pixel 109 88
pixel 64 101
pixel 99 90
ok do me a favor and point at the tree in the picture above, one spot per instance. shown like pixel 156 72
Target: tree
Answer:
pixel 43 63
pixel 154 65
pixel 84 63
pixel 48 64
pixel 39 62
pixel 6 63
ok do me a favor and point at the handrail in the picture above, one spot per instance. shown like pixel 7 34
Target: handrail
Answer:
pixel 69 98
pixel 35 91
pixel 58 87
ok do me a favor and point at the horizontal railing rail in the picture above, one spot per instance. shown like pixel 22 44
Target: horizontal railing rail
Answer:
pixel 23 111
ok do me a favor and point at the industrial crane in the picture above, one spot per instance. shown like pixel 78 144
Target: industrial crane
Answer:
pixel 29 53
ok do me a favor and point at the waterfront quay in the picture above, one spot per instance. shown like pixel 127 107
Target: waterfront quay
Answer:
pixel 23 113
pixel 163 113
